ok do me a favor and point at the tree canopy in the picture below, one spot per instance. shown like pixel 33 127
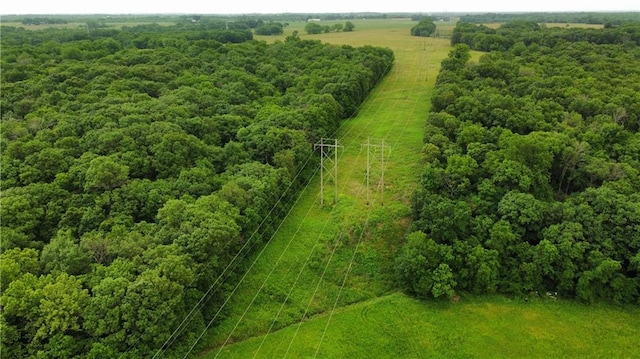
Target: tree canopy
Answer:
pixel 531 179
pixel 139 166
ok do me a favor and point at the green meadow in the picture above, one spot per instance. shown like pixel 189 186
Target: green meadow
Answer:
pixel 397 326
pixel 322 286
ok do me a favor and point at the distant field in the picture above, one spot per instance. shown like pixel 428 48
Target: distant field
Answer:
pixel 366 31
pixel 397 326
pixel 79 25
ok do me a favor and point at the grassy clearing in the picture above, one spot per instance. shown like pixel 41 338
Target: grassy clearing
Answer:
pixel 396 326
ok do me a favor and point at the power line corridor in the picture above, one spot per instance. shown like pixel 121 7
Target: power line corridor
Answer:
pixel 306 270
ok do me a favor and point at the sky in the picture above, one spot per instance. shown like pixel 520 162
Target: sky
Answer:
pixel 304 6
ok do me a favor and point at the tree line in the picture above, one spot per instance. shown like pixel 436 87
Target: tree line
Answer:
pixel 531 179
pixel 139 166
pixel 614 18
pixel 313 28
pixel 483 38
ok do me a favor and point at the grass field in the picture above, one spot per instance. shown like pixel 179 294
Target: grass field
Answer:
pixel 376 32
pixel 396 326
pixel 322 286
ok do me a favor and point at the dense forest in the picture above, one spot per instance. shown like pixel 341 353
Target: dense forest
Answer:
pixel 531 183
pixel 140 166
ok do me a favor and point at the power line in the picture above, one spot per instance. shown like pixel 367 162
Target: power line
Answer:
pixel 328 150
pixel 229 266
pixel 344 281
pixel 182 325
pixel 295 282
pixel 246 272
pixel 383 146
pixel 302 268
pixel 340 235
pixel 265 280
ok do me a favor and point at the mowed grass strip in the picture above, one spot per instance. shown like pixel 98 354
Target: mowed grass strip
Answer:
pixel 397 326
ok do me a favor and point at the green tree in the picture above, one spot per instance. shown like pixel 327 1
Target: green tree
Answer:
pixel 421 267
pixel 349 26
pixel 63 254
pixel 23 216
pixel 271 28
pixel 105 174
pixel 571 247
pixel 458 173
pixel 201 229
pixel 313 28
pixel 522 210
pixel 17 262
pixel 44 310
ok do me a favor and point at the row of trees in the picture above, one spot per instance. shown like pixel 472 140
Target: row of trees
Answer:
pixel 42 21
pixel 139 166
pixel 532 172
pixel 313 28
pixel 483 38
pixel 615 18
pixel 271 28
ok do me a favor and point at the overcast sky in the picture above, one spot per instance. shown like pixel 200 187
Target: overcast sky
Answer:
pixel 303 6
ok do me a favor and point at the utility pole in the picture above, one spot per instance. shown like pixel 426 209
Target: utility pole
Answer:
pixel 382 145
pixel 368 166
pixel 326 147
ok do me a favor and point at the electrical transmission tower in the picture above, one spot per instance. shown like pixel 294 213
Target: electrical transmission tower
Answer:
pixel 328 164
pixel 379 146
